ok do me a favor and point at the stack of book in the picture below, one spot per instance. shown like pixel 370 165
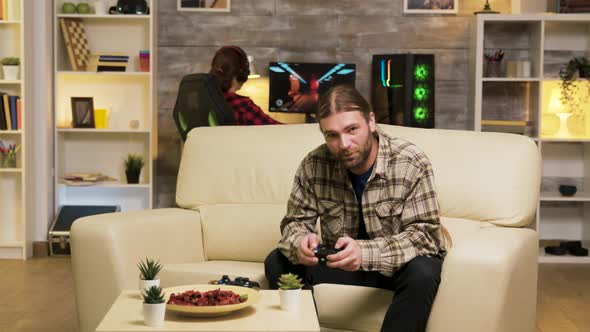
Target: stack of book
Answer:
pixel 108 62
pixel 507 126
pixel 10 112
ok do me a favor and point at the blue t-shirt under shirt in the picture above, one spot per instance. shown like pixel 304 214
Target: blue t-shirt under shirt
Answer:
pixel 359 182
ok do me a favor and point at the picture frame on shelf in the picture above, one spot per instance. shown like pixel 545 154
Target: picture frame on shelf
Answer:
pixel 431 7
pixel 83 112
pixel 204 5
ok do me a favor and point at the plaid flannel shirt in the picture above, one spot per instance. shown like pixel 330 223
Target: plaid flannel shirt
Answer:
pixel 399 206
pixel 246 112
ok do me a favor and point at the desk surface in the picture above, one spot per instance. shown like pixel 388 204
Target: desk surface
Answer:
pixel 125 315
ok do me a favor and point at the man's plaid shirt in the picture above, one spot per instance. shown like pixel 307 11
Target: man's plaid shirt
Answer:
pixel 399 206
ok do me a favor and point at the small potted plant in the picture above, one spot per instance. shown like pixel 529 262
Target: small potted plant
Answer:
pixel 575 68
pixel 133 165
pixel 154 306
pixel 149 274
pixel 10 66
pixel 289 291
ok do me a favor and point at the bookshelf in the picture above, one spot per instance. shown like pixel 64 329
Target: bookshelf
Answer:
pixel 547 42
pixel 15 226
pixel 130 99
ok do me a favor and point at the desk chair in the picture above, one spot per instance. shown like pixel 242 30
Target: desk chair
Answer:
pixel 200 103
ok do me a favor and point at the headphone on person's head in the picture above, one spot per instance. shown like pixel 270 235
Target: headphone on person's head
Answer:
pixel 245 68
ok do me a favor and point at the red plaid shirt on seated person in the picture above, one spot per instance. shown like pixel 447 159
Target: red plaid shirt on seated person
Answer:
pixel 246 112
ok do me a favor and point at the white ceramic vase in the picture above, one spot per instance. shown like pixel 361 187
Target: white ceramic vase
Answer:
pixel 10 72
pixel 289 299
pixel 146 284
pixel 153 314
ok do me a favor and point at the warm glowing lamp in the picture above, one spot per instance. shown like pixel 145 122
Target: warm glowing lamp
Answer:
pixel 556 107
pixel 253 71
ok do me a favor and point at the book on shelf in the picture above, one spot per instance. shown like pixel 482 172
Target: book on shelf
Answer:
pixel 12 104
pixel 6 106
pixel 108 62
pixel 3 124
pixel 19 114
pixel 507 126
pixel 10 118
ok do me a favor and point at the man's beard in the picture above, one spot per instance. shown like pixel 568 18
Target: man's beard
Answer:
pixel 361 155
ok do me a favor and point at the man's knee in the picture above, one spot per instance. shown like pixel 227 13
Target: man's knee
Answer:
pixel 276 264
pixel 423 271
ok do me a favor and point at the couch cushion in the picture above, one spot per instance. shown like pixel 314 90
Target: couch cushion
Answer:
pixel 203 272
pixel 461 229
pixel 241 232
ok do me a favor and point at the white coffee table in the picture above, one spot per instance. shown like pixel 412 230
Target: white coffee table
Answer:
pixel 125 315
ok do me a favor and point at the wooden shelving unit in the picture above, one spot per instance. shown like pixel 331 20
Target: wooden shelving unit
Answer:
pixel 128 96
pixel 15 189
pixel 547 42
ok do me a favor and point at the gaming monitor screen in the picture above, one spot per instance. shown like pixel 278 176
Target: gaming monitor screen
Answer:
pixel 297 87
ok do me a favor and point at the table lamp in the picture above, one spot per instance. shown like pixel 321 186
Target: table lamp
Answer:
pixel 556 107
pixel 253 71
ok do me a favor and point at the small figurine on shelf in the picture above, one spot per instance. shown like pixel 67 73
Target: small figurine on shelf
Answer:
pixel 133 165
pixel 494 64
pixel 8 155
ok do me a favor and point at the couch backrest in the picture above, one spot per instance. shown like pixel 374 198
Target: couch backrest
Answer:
pixel 479 176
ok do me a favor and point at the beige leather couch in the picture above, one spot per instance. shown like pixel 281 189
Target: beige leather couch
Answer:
pixel 233 185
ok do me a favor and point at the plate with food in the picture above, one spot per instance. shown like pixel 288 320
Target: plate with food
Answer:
pixel 209 300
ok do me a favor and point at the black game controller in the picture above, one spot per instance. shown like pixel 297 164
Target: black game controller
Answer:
pixel 323 250
pixel 238 281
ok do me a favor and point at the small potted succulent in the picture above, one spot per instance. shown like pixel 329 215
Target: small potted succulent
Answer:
pixel 289 291
pixel 10 67
pixel 149 274
pixel 133 165
pixel 154 306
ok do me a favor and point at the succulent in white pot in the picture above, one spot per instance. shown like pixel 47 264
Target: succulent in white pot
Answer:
pixel 154 306
pixel 10 67
pixel 289 291
pixel 149 274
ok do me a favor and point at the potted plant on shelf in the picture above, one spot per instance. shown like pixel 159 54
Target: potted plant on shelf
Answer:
pixel 575 68
pixel 154 306
pixel 133 165
pixel 289 291
pixel 149 274
pixel 10 67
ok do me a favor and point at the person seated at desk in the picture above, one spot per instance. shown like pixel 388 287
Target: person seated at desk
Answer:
pixel 230 65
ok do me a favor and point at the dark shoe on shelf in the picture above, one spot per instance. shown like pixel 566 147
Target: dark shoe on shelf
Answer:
pixel 557 250
pixel 575 248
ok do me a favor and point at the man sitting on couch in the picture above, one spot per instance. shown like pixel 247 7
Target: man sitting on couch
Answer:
pixel 377 204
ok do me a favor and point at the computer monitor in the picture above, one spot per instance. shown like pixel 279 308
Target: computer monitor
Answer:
pixel 295 87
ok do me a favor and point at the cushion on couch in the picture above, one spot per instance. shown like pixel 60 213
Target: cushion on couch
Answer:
pixel 241 232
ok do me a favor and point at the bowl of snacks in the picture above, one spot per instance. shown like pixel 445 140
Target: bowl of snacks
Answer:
pixel 209 300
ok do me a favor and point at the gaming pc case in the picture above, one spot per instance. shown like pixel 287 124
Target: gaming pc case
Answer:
pixel 402 89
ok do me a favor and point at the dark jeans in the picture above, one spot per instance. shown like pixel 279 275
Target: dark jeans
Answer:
pixel 414 286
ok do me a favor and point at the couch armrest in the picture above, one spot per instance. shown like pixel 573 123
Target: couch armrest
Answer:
pixel 106 250
pixel 489 283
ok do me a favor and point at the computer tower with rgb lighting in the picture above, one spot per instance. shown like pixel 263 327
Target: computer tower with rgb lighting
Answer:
pixel 402 89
